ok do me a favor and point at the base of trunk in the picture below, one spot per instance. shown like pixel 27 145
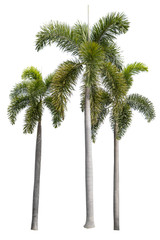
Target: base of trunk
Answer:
pixel 116 227
pixel 34 225
pixel 89 224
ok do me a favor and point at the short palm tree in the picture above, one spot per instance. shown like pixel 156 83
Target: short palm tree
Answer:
pixel 33 94
pixel 90 48
pixel 120 117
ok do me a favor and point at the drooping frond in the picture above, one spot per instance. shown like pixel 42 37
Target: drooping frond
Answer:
pixel 48 80
pixel 132 69
pixel 107 28
pixel 143 105
pixel 16 105
pixel 80 32
pixel 114 81
pixel 59 33
pixel 20 89
pixel 32 116
pixel 112 54
pixel 56 118
pixel 92 56
pixel 63 84
pixel 124 120
pixel 31 73
pixel 103 110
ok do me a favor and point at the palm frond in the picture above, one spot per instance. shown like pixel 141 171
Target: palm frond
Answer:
pixel 103 110
pixel 59 33
pixel 107 28
pixel 143 105
pixel 19 89
pixel 80 33
pixel 31 73
pixel 32 116
pixel 113 55
pixel 124 120
pixel 132 69
pixel 114 81
pixel 63 84
pixel 56 118
pixel 92 56
pixel 16 105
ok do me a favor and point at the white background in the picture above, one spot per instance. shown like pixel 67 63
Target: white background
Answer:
pixel 62 193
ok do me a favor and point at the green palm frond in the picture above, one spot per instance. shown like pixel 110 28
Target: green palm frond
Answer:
pixel 16 105
pixel 19 89
pixel 107 28
pixel 92 56
pixel 114 81
pixel 48 80
pixel 103 110
pixel 132 69
pixel 124 120
pixel 31 73
pixel 80 32
pixel 56 118
pixel 112 54
pixel 59 33
pixel 32 116
pixel 63 84
pixel 143 105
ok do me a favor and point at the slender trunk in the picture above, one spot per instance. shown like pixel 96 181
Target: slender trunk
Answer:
pixel 34 225
pixel 116 181
pixel 88 163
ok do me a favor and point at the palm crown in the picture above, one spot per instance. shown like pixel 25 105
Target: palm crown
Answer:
pixel 90 51
pixel 121 108
pixel 33 94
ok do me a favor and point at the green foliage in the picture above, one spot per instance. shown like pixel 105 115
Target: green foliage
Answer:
pixel 59 33
pixel 132 69
pixel 56 118
pixel 32 93
pixel 114 81
pixel 63 84
pixel 107 28
pixel 92 52
pixel 119 104
pixel 31 73
pixel 143 105
pixel 98 116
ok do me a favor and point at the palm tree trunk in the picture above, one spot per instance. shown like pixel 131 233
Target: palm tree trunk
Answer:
pixel 116 181
pixel 34 225
pixel 88 163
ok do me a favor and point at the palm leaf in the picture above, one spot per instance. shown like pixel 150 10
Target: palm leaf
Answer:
pixel 107 28
pixel 114 81
pixel 63 84
pixel 143 105
pixel 32 116
pixel 132 69
pixel 59 33
pixel 56 118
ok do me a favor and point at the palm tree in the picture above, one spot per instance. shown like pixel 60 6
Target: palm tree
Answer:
pixel 90 48
pixel 120 117
pixel 33 94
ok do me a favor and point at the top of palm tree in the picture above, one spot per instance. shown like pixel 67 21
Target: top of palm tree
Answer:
pixel 69 39
pixel 90 55
pixel 33 94
pixel 120 108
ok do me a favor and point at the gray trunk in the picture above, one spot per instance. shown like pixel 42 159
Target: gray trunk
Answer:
pixel 116 181
pixel 88 163
pixel 34 225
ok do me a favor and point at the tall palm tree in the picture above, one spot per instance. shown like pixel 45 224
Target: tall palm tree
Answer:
pixel 33 94
pixel 90 48
pixel 120 117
